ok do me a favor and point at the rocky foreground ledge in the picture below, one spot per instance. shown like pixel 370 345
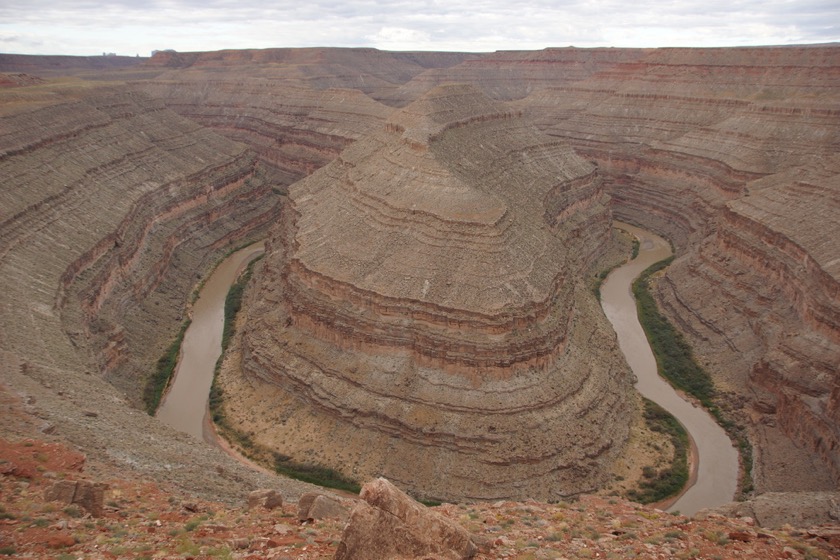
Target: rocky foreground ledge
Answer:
pixel 138 519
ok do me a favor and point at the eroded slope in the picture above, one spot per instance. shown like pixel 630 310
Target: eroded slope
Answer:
pixel 421 312
pixel 111 207
pixel 731 153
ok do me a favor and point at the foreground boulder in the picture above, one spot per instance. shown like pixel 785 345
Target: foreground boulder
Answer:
pixel 88 495
pixel 389 525
pixel 314 505
pixel 269 499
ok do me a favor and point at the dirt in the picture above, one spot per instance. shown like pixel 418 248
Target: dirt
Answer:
pixel 143 519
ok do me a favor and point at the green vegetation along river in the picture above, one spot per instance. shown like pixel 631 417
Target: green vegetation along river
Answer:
pixel 716 477
pixel 185 404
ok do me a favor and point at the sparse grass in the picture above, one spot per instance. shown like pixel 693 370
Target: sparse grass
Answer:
pixel 187 547
pixel 73 511
pixel 717 537
pixel 222 552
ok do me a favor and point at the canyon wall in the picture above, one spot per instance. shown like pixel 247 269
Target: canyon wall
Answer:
pixel 112 209
pixel 731 153
pixel 116 200
pixel 422 313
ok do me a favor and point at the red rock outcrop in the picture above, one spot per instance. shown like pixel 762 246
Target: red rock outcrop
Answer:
pixel 421 312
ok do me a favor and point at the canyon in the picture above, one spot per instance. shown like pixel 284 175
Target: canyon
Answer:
pixel 422 312
pixel 429 249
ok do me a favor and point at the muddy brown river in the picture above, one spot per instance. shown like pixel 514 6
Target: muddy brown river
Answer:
pixel 185 404
pixel 717 463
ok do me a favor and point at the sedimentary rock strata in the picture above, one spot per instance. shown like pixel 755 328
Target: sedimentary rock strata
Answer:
pixel 295 129
pixel 421 313
pixel 111 201
pixel 731 153
pixel 111 208
pixel 115 200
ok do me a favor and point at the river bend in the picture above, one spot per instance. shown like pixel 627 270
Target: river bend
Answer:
pixel 185 404
pixel 717 459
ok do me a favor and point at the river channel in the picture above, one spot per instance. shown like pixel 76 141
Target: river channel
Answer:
pixel 185 404
pixel 716 477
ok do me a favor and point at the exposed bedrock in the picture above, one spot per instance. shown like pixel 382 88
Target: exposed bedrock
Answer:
pixel 761 297
pixel 114 203
pixel 111 209
pixel 421 312
pixel 294 128
pixel 731 153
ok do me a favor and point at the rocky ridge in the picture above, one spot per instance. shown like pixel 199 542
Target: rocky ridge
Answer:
pixel 409 321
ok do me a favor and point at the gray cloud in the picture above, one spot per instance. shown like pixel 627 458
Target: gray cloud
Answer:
pixel 128 27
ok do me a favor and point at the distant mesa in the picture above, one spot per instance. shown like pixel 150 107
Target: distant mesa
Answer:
pixel 421 314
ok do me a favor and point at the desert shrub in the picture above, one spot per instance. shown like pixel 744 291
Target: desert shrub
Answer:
pixel 658 484
pixel 315 474
pixel 165 367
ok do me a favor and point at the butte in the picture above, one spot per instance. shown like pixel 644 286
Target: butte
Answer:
pixel 423 314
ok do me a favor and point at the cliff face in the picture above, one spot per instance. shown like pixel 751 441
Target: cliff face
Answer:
pixel 421 313
pixel 294 128
pixel 731 153
pixel 113 203
pixel 114 200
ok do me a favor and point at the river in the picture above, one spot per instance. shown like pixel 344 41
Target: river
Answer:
pixel 716 477
pixel 185 404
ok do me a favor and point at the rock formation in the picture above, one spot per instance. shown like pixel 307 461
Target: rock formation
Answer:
pixel 293 128
pixel 422 314
pixel 732 154
pixel 111 208
pixel 387 524
pixel 116 200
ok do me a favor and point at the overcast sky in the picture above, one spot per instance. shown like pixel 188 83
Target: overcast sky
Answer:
pixel 129 27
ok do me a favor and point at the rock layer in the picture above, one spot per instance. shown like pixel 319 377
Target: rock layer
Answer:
pixel 421 313
pixel 112 205
pixel 731 153
pixel 110 209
